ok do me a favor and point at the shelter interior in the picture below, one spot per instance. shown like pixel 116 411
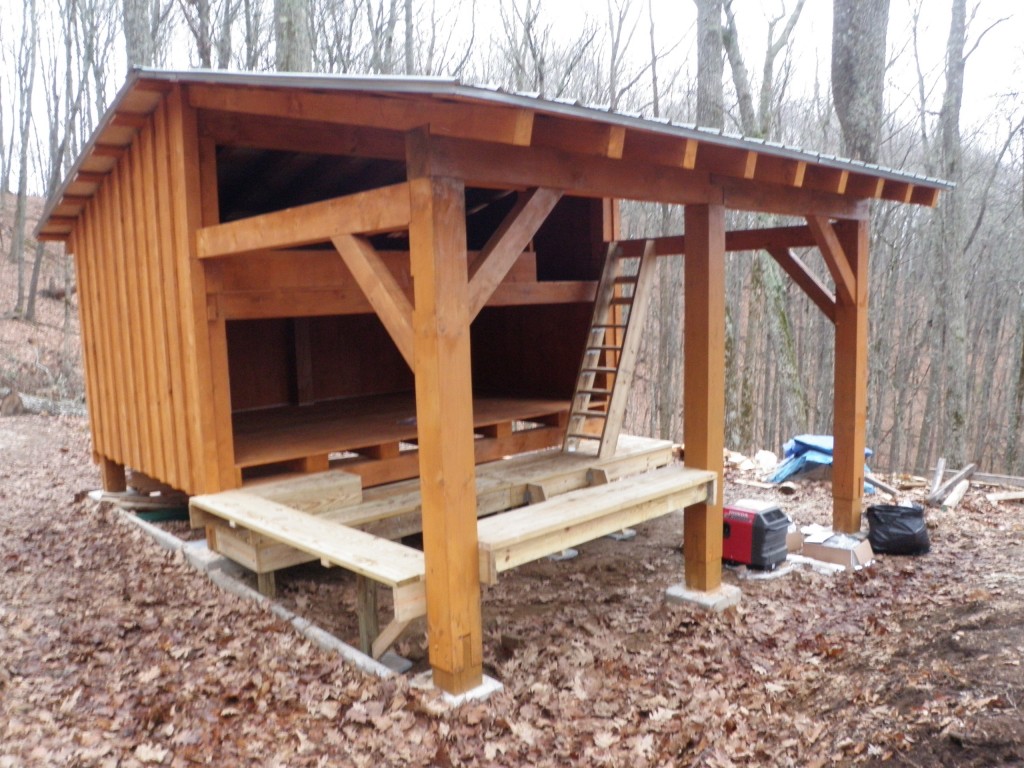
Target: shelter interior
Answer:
pixel 330 381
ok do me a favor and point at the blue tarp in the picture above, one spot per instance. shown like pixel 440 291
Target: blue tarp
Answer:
pixel 805 453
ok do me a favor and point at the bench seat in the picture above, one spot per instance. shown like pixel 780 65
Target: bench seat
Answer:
pixel 373 559
pixel 529 533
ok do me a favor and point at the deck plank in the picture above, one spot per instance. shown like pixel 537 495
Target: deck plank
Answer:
pixel 575 517
pixel 379 559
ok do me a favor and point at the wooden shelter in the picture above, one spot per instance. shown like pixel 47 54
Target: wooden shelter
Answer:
pixel 352 283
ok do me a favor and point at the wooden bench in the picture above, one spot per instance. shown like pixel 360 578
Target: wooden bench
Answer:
pixel 529 533
pixel 393 511
pixel 373 559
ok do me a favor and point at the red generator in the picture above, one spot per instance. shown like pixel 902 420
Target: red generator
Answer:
pixel 754 534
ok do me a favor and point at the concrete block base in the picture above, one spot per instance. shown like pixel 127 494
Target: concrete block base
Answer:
pixel 397 664
pixel 726 596
pixel 490 686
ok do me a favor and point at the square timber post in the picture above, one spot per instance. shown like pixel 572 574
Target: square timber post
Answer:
pixel 704 387
pixel 444 412
pixel 851 381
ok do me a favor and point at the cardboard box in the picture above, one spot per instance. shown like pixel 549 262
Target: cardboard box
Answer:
pixel 794 539
pixel 851 551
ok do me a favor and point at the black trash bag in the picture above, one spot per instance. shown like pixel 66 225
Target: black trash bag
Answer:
pixel 895 530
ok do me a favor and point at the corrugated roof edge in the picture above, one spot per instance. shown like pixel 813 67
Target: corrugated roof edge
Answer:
pixel 442 87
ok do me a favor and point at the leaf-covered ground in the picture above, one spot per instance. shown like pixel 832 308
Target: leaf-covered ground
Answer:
pixel 116 653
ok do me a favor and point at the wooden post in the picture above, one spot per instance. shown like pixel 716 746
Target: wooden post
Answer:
pixel 704 390
pixel 444 413
pixel 112 476
pixel 366 609
pixel 851 382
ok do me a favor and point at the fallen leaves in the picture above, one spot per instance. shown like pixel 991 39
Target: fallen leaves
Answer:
pixel 115 653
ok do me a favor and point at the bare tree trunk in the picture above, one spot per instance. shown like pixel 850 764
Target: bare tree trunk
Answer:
pixel 292 51
pixel 62 114
pixel 1013 452
pixel 382 22
pixel 253 23
pixel 858 73
pixel 951 298
pixel 410 43
pixel 26 78
pixel 138 35
pixel 710 66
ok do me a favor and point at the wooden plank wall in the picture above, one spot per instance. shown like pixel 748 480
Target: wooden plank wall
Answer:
pixel 137 340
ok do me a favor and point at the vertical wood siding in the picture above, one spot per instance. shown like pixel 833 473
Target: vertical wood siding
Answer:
pixel 143 313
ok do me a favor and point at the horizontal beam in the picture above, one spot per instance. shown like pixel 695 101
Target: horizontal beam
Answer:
pixel 349 300
pixel 744 195
pixel 504 167
pixel 738 240
pixel 307 136
pixel 363 213
pixel 511 125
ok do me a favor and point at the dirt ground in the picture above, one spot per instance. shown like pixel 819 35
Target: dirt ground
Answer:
pixel 114 652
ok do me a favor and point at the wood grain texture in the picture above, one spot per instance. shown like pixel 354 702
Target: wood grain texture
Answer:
pixel 851 382
pixel 704 390
pixel 362 213
pixel 444 412
pixel 502 251
pixel 381 289
pixel 836 258
pixel 552 523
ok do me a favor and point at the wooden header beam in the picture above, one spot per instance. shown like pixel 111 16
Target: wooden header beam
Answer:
pixel 501 166
pixel 505 124
pixel 363 213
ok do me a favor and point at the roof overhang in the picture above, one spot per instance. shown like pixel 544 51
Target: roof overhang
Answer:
pixel 473 113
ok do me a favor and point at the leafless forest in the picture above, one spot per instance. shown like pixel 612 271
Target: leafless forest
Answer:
pixel 947 319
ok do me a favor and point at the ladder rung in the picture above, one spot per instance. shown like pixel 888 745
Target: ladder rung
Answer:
pixel 621 301
pixel 593 392
pixel 600 369
pixel 609 325
pixel 590 414
pixel 577 436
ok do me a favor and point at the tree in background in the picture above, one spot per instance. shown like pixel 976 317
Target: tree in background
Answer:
pixel 27 61
pixel 292 48
pixel 858 73
pixel 710 65
pixel 947 338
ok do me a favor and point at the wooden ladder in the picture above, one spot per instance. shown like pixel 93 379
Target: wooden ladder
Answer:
pixel 609 358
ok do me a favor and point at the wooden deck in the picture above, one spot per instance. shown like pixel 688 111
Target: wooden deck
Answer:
pixel 272 524
pixel 375 428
